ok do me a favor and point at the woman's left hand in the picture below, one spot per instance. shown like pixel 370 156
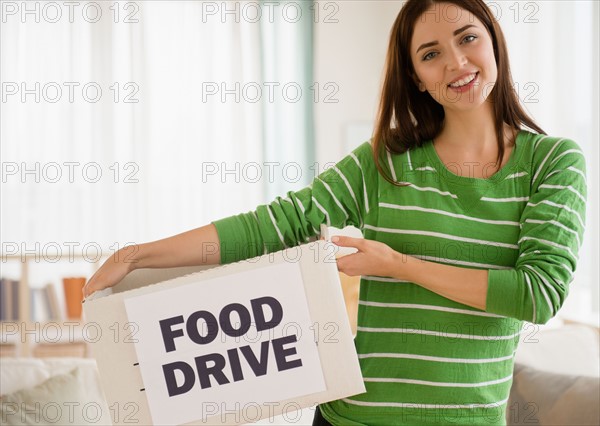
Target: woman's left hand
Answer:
pixel 373 258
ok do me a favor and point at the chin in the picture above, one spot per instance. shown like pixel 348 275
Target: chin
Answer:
pixel 465 106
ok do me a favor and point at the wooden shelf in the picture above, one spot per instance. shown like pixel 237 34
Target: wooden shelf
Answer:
pixel 22 337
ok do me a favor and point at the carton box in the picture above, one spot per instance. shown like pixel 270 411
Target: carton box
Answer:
pixel 229 344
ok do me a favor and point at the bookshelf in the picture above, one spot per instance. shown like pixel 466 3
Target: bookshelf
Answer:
pixel 26 337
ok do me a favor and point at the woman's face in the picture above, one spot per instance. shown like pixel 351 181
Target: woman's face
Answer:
pixel 453 57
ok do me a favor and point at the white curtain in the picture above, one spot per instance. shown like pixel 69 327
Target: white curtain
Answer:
pixel 126 122
pixel 191 112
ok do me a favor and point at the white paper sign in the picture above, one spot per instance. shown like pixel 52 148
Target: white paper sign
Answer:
pixel 226 344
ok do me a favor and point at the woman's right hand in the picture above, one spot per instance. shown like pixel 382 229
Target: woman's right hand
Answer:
pixel 200 246
pixel 112 271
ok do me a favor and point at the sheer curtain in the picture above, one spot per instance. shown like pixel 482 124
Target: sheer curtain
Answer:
pixel 133 121
pixel 554 49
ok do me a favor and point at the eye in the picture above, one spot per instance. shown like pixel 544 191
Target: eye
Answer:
pixel 429 56
pixel 469 38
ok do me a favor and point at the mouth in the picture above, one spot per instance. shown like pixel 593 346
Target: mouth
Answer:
pixel 464 82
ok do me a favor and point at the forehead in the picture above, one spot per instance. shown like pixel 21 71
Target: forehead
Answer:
pixel 441 20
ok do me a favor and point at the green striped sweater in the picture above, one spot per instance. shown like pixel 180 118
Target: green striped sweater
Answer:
pixel 426 359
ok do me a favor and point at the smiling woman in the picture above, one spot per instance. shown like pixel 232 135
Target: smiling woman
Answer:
pixel 473 219
pixel 453 261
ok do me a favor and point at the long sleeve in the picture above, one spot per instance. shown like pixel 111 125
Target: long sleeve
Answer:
pixel 552 227
pixel 338 197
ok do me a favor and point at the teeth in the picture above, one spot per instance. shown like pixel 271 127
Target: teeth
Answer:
pixel 464 81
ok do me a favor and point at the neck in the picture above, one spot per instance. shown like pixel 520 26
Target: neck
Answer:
pixel 469 131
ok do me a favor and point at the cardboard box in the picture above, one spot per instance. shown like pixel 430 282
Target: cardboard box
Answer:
pixel 230 344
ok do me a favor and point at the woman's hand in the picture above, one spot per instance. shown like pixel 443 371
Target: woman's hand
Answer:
pixel 112 271
pixel 200 246
pixel 372 258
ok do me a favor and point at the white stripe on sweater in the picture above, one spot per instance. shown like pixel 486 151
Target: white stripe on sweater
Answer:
pixel 320 207
pixel 543 289
pixel 569 187
pixel 528 281
pixel 429 308
pixel 279 234
pixel 460 262
pixel 555 223
pixel 505 200
pixel 421 405
pixel 539 170
pixel 429 189
pixel 389 156
pixel 410 167
pixel 571 169
pixel 304 214
pixel 351 193
pixel 517 175
pixel 435 333
pixel 440 384
pixel 435 358
pixel 560 206
pixel 441 235
pixel 568 151
pixel 337 202
pixel 363 182
pixel 445 213
pixel 576 170
pixel 550 243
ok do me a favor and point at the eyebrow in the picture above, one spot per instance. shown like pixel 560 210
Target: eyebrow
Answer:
pixel 455 33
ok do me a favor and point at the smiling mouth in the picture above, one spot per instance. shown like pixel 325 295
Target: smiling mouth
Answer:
pixel 464 81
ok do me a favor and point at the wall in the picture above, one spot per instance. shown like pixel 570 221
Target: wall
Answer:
pixel 351 54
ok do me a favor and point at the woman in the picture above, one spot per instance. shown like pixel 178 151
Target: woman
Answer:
pixel 472 225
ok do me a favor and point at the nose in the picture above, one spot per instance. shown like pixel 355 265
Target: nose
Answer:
pixel 455 59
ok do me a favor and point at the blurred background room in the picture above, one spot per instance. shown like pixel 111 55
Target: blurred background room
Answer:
pixel 124 122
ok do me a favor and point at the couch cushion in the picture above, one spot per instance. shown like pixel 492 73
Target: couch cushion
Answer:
pixel 568 349
pixel 22 373
pixel 544 398
pixel 64 399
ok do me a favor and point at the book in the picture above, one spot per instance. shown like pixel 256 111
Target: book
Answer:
pixel 16 312
pixel 9 299
pixel 73 288
pixel 8 306
pixel 2 300
pixel 36 305
pixel 52 300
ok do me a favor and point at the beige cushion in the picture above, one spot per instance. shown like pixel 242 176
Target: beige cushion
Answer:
pixel 543 398
pixel 22 373
pixel 64 399
pixel 568 349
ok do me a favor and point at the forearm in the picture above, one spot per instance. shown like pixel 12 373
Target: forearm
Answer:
pixel 463 285
pixel 199 246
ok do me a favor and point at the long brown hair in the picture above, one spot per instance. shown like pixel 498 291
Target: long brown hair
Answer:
pixel 415 115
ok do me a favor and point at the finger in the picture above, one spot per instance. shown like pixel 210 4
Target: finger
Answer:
pixel 89 287
pixel 347 241
pixel 86 290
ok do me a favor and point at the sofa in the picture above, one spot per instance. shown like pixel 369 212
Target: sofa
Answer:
pixel 556 382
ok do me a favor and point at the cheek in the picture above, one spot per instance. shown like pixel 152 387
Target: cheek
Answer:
pixel 487 57
pixel 427 76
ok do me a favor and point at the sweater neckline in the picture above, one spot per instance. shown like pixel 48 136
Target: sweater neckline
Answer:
pixel 451 177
